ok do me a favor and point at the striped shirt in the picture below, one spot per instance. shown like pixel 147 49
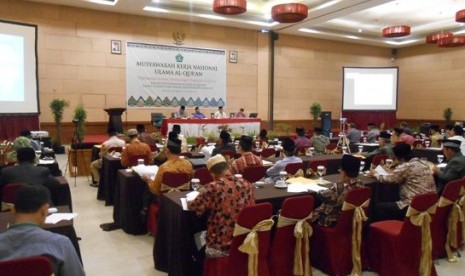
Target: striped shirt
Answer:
pixel 248 159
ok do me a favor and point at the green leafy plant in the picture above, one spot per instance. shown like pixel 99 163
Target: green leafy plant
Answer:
pixel 272 135
pixel 57 106
pixel 285 128
pixel 315 110
pixel 448 115
pixel 236 135
pixel 80 116
pixel 190 140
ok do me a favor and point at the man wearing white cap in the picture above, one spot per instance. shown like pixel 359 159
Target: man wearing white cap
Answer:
pixel 224 198
pixel 455 168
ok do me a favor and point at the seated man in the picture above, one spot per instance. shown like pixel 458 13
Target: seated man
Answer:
pixel 222 204
pixel 301 141
pixel 457 134
pixel 144 136
pixel 414 178
pixel 34 144
pixel 398 136
pixel 220 114
pixel 26 239
pixel 319 141
pixel 112 142
pixel 224 144
pixel 455 168
pixel 26 172
pixel 385 146
pixel 353 134
pixel 247 159
pixel 240 114
pixel 289 157
pixel 135 147
pixel 197 114
pixel 435 136
pixel 177 129
pixel 332 199
pixel 263 139
pixel 181 113
pixel 405 129
pixel 373 132
pixel 20 142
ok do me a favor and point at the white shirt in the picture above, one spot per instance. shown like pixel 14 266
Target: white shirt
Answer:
pixel 114 142
pixel 461 139
pixel 220 115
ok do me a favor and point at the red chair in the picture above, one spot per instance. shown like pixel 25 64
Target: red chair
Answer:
pixel 378 158
pixel 331 146
pixel 315 163
pixel 203 175
pixel 30 266
pixel 237 262
pixel 200 141
pixel 9 194
pixel 293 168
pixel 461 201
pixel 133 159
pixel 440 227
pixel 268 152
pixel 284 242
pixel 254 173
pixel 171 182
pixel 395 246
pixel 153 148
pixel 331 247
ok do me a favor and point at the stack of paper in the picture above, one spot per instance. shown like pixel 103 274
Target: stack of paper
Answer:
pixel 143 170
pixel 57 217
pixel 380 170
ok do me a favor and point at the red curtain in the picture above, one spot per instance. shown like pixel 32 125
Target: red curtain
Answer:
pixel 362 118
pixel 11 126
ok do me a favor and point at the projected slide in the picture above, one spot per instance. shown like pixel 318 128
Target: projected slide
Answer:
pixel 11 68
pixel 18 69
pixel 370 88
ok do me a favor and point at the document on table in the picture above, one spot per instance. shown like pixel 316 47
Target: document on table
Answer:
pixel 380 170
pixel 267 163
pixel 57 217
pixel 45 162
pixel 316 188
pixel 143 170
pixel 189 197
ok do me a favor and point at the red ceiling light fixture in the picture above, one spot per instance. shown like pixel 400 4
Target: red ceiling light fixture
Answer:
pixel 449 42
pixel 433 38
pixel 229 7
pixel 396 31
pixel 289 13
pixel 460 16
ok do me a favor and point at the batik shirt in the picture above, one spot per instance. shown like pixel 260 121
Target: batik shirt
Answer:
pixel 224 199
pixel 248 159
pixel 319 143
pixel 330 209
pixel 414 178
pixel 136 148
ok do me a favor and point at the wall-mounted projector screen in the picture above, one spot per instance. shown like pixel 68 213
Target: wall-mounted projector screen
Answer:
pixel 18 69
pixel 370 88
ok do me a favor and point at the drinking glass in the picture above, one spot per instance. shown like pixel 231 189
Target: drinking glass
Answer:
pixel 195 184
pixel 320 170
pixel 389 162
pixel 140 161
pixel 330 135
pixel 362 165
pixel 427 143
pixel 364 139
pixel 360 148
pixel 440 158
pixel 283 175
pixel 257 144
pixel 344 150
pixel 311 150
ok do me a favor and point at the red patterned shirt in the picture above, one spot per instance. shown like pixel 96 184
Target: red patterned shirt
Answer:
pixel 224 198
pixel 248 159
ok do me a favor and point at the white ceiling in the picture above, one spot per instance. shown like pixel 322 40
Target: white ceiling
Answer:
pixel 359 21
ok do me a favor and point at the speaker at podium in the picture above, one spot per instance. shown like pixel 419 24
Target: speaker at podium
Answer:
pixel 326 124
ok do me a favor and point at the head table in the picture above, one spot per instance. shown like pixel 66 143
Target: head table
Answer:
pixel 203 127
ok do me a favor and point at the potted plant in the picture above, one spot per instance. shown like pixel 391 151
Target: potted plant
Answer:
pixel 448 115
pixel 80 116
pixel 57 107
pixel 315 110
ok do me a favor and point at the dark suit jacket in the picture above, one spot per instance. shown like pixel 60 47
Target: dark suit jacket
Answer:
pixel 454 170
pixel 28 173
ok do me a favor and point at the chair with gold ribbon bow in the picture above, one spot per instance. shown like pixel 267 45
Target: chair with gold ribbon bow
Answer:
pixel 312 168
pixel 337 250
pixel 203 175
pixel 254 173
pixel 404 247
pixel 248 253
pixel 445 222
pixel 290 247
pixel 294 169
pixel 461 225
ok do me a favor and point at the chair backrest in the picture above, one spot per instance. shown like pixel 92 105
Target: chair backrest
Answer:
pixel 283 243
pixel 9 192
pixel 331 146
pixel 378 158
pixel 175 180
pixel 439 225
pixel 355 197
pixel 254 173
pixel 248 218
pixel 315 163
pixel 30 266
pixel 153 147
pixel 203 175
pixel 292 168
pixel 133 159
pixel 253 115
pixel 116 149
pixel 157 119
pixel 268 152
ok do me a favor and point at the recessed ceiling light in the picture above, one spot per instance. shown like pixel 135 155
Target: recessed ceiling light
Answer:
pixel 104 2
pixel 153 9
pixel 211 16
pixel 311 31
pixel 360 30
pixel 352 36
